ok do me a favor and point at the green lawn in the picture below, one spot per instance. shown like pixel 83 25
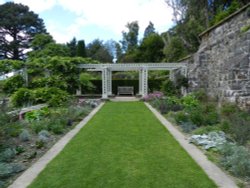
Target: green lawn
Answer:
pixel 124 145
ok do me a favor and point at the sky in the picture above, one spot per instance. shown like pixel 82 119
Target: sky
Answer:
pixel 98 19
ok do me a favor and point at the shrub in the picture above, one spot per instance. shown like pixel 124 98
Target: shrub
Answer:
pixel 153 96
pixel 38 126
pixel 36 114
pixel 168 88
pixel 22 97
pixel 56 128
pixel 19 149
pixel 13 129
pixel 187 127
pixel 7 155
pixel 174 104
pixel 44 133
pixel 236 160
pixel 40 144
pixel 228 109
pixel 181 117
pixel 197 117
pixel 25 135
pixel 52 96
pixel 8 169
pixel 240 127
pixel 13 83
pixel 204 114
pixel 189 101
pixel 201 95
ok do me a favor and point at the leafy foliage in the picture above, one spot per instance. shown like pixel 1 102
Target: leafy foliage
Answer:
pixel 236 160
pixel 7 66
pixel 13 83
pixel 52 96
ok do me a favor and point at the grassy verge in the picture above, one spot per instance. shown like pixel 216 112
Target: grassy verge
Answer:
pixel 124 145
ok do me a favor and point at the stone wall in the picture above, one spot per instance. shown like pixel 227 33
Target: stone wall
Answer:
pixel 221 66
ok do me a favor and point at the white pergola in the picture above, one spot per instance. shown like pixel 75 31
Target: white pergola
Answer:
pixel 142 68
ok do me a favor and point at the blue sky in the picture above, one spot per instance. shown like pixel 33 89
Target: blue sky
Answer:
pixel 92 19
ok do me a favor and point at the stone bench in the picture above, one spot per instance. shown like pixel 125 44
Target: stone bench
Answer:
pixel 125 90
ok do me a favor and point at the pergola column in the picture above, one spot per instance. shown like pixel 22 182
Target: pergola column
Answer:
pixel 140 82
pixel 144 81
pixel 109 82
pixel 104 83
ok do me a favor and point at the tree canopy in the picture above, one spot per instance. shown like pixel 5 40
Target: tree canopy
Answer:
pixel 18 26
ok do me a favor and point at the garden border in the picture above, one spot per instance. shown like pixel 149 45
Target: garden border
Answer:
pixel 215 173
pixel 31 173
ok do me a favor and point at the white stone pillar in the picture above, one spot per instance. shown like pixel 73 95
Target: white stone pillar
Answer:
pixel 105 83
pixel 109 83
pixel 140 82
pixel 144 82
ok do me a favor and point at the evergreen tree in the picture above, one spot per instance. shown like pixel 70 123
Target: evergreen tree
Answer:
pixel 130 39
pixel 81 49
pixel 149 30
pixel 18 26
pixel 72 45
pixel 98 51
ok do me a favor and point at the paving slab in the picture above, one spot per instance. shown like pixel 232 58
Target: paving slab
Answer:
pixel 31 173
pixel 214 172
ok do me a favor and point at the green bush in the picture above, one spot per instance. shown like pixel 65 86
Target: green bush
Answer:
pixel 25 135
pixel 23 97
pixel 236 160
pixel 197 117
pixel 52 96
pixel 240 127
pixel 187 127
pixel 13 83
pixel 7 155
pixel 36 114
pixel 189 101
pixel 38 126
pixel 181 117
pixel 168 88
pixel 13 129
pixel 56 128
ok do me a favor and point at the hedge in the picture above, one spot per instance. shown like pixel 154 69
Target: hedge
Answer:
pixel 154 85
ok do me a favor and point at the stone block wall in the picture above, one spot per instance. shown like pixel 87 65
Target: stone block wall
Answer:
pixel 221 66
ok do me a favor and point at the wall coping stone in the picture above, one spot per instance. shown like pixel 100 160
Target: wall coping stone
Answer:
pixel 224 20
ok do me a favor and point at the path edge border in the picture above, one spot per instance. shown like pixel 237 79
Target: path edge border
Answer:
pixel 28 176
pixel 220 178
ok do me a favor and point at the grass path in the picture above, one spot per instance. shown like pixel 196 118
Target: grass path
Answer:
pixel 124 145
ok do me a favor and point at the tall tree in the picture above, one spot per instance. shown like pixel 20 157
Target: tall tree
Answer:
pixel 130 39
pixel 18 26
pixel 72 45
pixel 150 29
pixel 151 49
pixel 98 51
pixel 81 49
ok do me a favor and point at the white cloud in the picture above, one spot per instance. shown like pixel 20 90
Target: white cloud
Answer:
pixel 38 6
pixel 2 2
pixel 115 14
pixel 112 15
